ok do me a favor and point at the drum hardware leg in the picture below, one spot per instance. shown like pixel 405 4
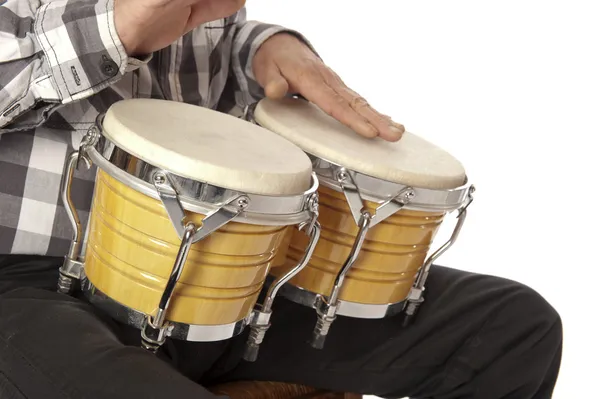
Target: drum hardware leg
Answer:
pixel 69 274
pixel 414 300
pixel 259 324
pixel 327 307
pixel 153 336
pixel 416 296
pixel 326 315
pixel 155 329
pixel 260 318
pixel 71 270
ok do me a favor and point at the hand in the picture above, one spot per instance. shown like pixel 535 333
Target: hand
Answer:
pixel 284 64
pixel 145 26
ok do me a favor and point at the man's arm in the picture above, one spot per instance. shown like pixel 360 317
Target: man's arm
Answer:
pixel 265 62
pixel 53 54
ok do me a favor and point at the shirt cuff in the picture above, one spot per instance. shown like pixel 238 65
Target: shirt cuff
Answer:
pixel 82 49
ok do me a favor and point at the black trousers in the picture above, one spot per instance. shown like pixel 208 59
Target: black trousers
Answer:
pixel 476 336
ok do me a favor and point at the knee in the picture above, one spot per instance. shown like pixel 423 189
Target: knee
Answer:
pixel 531 310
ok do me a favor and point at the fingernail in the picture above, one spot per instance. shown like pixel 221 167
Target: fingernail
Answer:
pixel 397 125
pixel 397 130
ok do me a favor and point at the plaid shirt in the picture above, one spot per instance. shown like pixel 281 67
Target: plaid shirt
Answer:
pixel 61 63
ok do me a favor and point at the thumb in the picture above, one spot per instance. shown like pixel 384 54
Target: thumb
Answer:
pixel 275 85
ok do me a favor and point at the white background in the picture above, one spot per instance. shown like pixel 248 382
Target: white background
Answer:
pixel 512 89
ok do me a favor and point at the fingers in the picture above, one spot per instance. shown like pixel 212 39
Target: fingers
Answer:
pixel 309 82
pixel 320 85
pixel 284 64
pixel 275 85
pixel 386 127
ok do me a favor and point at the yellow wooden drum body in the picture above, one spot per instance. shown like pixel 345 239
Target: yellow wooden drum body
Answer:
pixel 386 268
pixel 253 182
pixel 132 245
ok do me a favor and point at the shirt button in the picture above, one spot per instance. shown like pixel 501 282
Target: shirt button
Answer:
pixel 109 67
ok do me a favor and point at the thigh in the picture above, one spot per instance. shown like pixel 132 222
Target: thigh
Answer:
pixel 56 346
pixel 17 271
pixel 466 321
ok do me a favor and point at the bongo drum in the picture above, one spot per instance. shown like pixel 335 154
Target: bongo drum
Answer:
pixel 189 209
pixel 380 207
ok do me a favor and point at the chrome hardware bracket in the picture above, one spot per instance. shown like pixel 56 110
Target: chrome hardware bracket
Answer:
pixel 220 217
pixel 260 317
pixel 170 200
pixel 213 221
pixel 155 328
pixel 357 203
pixel 327 307
pixel 71 270
pixel 416 296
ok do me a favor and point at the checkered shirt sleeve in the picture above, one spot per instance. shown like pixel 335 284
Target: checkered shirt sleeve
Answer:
pixel 54 53
pixel 60 65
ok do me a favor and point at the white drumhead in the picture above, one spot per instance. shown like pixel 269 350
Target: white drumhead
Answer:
pixel 208 146
pixel 411 161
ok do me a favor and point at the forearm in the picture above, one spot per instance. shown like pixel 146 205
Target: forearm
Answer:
pixel 53 54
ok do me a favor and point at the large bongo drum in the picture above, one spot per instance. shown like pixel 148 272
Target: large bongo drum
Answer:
pixel 189 210
pixel 380 207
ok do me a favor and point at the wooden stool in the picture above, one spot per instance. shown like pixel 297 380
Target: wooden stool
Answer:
pixel 275 390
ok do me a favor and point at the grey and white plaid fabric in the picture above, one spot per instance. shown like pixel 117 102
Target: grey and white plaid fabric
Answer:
pixel 62 63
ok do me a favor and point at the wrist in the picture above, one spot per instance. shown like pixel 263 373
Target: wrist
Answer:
pixel 125 29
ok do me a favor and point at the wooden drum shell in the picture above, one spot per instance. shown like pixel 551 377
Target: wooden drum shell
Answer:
pixel 393 252
pixel 132 246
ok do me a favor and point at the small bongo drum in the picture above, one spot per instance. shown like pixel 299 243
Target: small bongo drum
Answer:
pixel 189 209
pixel 380 207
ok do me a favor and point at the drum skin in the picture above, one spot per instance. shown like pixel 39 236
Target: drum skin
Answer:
pixel 132 246
pixel 393 252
